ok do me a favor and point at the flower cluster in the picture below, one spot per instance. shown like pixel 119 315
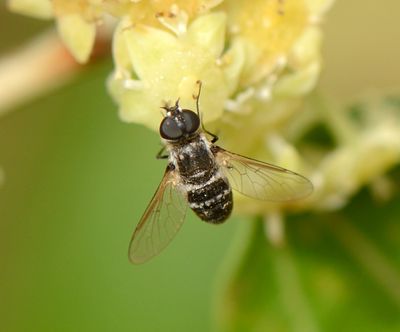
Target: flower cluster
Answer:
pixel 77 20
pixel 258 61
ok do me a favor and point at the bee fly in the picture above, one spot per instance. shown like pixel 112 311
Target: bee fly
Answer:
pixel 202 175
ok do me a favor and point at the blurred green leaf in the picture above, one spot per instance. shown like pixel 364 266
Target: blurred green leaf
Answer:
pixel 77 180
pixel 337 272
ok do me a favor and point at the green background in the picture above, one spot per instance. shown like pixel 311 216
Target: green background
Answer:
pixel 78 180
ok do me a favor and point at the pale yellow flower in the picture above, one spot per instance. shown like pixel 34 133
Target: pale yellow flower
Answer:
pixel 153 66
pixel 268 29
pixel 258 61
pixel 264 37
pixel 77 19
pixel 360 159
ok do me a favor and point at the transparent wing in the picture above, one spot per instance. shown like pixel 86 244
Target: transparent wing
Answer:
pixel 262 180
pixel 161 221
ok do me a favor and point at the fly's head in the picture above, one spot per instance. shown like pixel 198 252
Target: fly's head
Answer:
pixel 179 124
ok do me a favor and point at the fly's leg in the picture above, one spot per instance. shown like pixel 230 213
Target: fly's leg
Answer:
pixel 197 97
pixel 161 154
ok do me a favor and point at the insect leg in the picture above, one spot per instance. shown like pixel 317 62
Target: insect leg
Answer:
pixel 197 97
pixel 161 155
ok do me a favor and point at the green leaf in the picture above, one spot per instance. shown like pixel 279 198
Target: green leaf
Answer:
pixel 337 272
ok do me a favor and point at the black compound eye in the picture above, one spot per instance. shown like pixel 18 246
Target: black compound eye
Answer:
pixel 169 129
pixel 192 121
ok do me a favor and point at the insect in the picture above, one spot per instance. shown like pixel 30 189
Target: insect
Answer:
pixel 201 175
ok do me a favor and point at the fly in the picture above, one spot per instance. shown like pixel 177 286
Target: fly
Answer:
pixel 201 175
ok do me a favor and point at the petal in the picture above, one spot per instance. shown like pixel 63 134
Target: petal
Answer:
pixel 120 51
pixel 232 64
pixel 208 31
pixel 305 60
pixel 269 30
pixel 134 106
pixel 383 141
pixel 78 35
pixel 148 49
pixel 353 165
pixel 36 8
pixel 307 48
pixel 319 7
pixel 169 68
pixel 299 83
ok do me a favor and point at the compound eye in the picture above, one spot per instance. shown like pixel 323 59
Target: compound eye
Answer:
pixel 192 121
pixel 169 129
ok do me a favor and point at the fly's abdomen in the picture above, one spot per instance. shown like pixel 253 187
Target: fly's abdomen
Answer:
pixel 212 202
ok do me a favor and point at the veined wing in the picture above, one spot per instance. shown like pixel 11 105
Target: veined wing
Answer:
pixel 261 180
pixel 161 221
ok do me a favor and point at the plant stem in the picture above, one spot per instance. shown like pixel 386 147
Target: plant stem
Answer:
pixel 41 65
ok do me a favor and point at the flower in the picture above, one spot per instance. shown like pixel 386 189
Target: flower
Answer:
pixel 77 20
pixel 244 46
pixel 259 62
pixel 369 149
pixel 153 65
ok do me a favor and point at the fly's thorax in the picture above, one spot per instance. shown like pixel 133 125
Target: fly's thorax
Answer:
pixel 193 159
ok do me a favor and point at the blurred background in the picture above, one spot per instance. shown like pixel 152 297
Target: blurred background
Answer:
pixel 77 180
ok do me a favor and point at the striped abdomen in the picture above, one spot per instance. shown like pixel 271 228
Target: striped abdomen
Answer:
pixel 213 201
pixel 208 192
